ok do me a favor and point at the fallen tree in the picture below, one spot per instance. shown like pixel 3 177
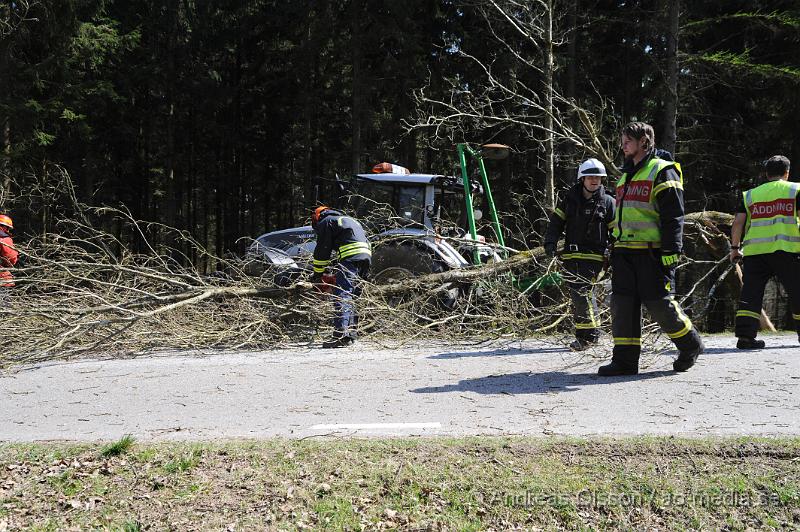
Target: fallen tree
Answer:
pixel 83 292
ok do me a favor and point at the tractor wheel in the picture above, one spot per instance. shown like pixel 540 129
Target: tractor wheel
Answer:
pixel 398 261
pixel 392 274
pixel 407 259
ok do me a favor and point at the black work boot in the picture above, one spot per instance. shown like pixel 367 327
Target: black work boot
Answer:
pixel 615 369
pixel 749 343
pixel 579 345
pixel 338 341
pixel 686 359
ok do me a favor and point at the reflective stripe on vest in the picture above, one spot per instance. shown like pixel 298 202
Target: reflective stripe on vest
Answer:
pixel 640 226
pixel 354 248
pixel 772 223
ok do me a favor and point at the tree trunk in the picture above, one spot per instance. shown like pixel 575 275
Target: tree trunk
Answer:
pixel 220 188
pixel 5 119
pixel 671 100
pixel 309 114
pixel 568 148
pixel 572 51
pixel 172 203
pixel 355 46
pixel 549 185
pixel 5 170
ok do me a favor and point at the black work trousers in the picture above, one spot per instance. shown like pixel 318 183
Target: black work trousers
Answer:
pixel 757 270
pixel 639 278
pixel 580 275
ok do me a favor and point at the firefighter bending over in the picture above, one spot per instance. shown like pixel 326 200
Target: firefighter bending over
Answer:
pixel 586 212
pixel 648 229
pixel 344 235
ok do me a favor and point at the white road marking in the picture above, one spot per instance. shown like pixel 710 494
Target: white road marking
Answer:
pixel 367 426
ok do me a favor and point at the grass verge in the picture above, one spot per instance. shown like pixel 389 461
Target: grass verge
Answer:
pixel 458 484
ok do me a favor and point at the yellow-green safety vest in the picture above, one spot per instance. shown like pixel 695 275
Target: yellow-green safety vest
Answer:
pixel 636 222
pixel 772 218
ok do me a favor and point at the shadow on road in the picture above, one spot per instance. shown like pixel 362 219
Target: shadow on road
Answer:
pixel 732 350
pixel 557 349
pixel 529 383
pixel 497 353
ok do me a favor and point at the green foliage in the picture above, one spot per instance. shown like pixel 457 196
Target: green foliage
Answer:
pixel 97 42
pixel 185 462
pixel 66 483
pixel 740 63
pixel 42 138
pixel 71 116
pixel 788 19
pixel 119 447
pixel 131 525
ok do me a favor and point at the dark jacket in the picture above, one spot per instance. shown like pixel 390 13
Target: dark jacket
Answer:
pixel 342 234
pixel 586 222
pixel 669 203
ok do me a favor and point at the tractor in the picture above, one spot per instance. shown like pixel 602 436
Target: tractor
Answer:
pixel 410 217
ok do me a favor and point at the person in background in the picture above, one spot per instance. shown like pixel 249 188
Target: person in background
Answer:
pixel 765 236
pixel 8 254
pixel 585 213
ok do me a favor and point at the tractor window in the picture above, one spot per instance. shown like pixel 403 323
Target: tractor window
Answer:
pixel 369 197
pixel 451 206
pixel 411 203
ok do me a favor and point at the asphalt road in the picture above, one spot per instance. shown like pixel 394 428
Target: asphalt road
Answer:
pixel 527 387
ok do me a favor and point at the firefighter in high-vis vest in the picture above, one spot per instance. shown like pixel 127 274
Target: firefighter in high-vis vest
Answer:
pixel 768 218
pixel 345 236
pixel 648 233
pixel 584 214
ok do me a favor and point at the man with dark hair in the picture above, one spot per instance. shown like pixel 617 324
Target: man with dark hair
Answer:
pixel 771 246
pixel 585 214
pixel 648 229
pixel 345 236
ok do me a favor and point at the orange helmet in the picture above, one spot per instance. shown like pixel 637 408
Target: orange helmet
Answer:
pixel 315 217
pixel 6 220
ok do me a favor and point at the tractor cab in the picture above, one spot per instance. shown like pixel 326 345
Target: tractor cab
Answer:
pixel 429 201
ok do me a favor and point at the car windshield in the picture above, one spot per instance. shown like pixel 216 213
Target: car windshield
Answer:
pixel 286 241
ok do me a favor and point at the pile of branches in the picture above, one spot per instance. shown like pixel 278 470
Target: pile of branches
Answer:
pixel 83 292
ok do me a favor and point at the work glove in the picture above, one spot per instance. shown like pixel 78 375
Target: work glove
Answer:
pixel 670 261
pixel 550 250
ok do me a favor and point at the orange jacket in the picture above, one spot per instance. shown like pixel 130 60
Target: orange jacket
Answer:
pixel 8 258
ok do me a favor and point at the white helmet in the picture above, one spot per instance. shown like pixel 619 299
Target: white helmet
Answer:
pixel 591 167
